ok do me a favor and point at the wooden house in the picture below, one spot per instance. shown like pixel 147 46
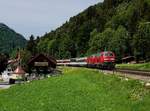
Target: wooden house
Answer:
pixel 41 64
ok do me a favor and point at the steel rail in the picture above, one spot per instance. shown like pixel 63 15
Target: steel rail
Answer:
pixel 133 71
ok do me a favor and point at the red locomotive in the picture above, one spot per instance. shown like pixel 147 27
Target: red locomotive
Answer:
pixel 102 60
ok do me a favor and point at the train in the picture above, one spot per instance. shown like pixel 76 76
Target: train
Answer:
pixel 101 60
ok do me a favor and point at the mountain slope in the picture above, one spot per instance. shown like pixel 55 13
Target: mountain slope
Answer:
pixel 121 26
pixel 9 39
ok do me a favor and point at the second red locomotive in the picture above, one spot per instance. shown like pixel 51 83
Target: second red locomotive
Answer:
pixel 102 60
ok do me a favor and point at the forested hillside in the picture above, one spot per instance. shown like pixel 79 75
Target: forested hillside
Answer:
pixel 122 26
pixel 10 40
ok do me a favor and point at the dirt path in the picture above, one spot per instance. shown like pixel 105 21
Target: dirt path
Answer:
pixel 4 85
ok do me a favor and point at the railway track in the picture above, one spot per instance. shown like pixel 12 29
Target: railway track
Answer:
pixel 127 73
pixel 120 70
pixel 133 72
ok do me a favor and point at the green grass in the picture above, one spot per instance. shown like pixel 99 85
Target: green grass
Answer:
pixel 144 66
pixel 78 89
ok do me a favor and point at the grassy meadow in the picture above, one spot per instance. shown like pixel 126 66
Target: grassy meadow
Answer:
pixel 143 66
pixel 78 89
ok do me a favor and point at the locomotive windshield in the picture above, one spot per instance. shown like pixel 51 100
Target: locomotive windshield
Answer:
pixel 108 54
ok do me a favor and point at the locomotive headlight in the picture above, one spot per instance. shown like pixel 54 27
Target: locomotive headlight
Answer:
pixel 112 59
pixel 106 59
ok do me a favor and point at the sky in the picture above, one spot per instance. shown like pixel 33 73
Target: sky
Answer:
pixel 40 16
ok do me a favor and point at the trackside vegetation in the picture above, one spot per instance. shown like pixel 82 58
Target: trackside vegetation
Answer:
pixel 77 89
pixel 143 66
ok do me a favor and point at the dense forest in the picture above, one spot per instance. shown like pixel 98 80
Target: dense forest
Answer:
pixel 122 26
pixel 10 40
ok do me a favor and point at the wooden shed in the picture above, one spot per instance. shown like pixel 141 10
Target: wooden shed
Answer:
pixel 42 63
pixel 128 59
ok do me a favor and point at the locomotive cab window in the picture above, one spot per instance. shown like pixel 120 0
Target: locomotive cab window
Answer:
pixel 108 54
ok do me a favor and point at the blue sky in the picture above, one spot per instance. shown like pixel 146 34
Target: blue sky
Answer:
pixel 39 16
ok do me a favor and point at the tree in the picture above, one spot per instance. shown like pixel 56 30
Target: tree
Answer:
pixel 109 3
pixel 66 48
pixel 133 18
pixel 42 46
pixel 141 41
pixel 31 45
pixel 3 62
pixel 118 42
pixel 100 41
pixel 25 56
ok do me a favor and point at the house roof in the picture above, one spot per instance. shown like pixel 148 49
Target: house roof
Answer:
pixel 50 59
pixel 19 70
pixel 128 57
